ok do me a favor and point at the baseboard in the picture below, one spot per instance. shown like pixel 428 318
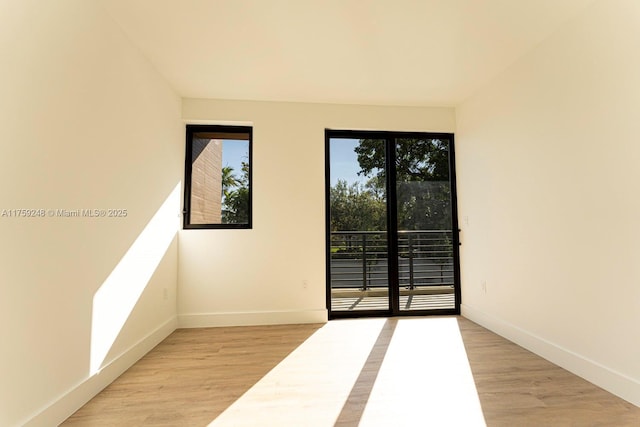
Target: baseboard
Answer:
pixel 74 399
pixel 249 318
pixel 614 382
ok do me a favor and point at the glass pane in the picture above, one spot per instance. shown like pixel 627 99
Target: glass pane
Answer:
pixel 359 277
pixel 425 249
pixel 219 178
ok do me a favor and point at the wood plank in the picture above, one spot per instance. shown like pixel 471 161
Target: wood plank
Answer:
pixel 197 376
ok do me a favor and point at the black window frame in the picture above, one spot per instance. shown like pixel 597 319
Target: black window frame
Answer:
pixel 390 137
pixel 186 211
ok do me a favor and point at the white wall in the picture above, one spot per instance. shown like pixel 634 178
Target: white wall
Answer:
pixel 548 177
pixel 255 276
pixel 86 123
pixel 547 172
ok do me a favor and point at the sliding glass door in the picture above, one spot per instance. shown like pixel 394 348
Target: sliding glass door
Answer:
pixel 392 237
pixel 358 227
pixel 424 224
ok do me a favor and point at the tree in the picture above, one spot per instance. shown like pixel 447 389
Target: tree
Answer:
pixel 235 203
pixel 422 177
pixel 356 207
pixel 229 180
pixel 416 159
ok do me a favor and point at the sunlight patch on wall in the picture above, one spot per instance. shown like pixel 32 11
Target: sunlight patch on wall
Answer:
pixel 116 298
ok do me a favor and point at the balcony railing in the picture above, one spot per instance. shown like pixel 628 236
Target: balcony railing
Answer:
pixel 359 259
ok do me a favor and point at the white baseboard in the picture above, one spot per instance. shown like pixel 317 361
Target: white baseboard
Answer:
pixel 74 399
pixel 249 318
pixel 614 382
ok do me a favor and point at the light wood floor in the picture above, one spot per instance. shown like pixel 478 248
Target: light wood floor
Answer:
pixel 433 371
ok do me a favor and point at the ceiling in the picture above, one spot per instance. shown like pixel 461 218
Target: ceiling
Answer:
pixel 380 52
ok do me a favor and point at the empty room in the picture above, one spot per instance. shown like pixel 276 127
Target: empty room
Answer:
pixel 319 213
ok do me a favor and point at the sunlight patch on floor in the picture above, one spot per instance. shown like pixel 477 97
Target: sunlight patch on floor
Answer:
pixel 310 386
pixel 114 301
pixel 367 372
pixel 425 378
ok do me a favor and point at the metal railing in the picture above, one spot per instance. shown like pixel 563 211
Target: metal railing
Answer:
pixel 359 259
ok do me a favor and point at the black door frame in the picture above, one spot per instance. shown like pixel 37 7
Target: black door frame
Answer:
pixel 392 224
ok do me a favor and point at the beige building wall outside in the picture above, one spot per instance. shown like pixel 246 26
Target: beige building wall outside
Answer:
pixel 206 181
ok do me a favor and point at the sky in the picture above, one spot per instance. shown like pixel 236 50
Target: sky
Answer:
pixel 344 161
pixel 234 152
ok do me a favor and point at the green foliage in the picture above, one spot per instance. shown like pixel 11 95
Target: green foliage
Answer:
pixel 229 180
pixel 235 192
pixel 416 159
pixel 423 189
pixel 357 208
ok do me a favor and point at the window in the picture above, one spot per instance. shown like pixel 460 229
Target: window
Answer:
pixel 218 177
pixel 392 231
